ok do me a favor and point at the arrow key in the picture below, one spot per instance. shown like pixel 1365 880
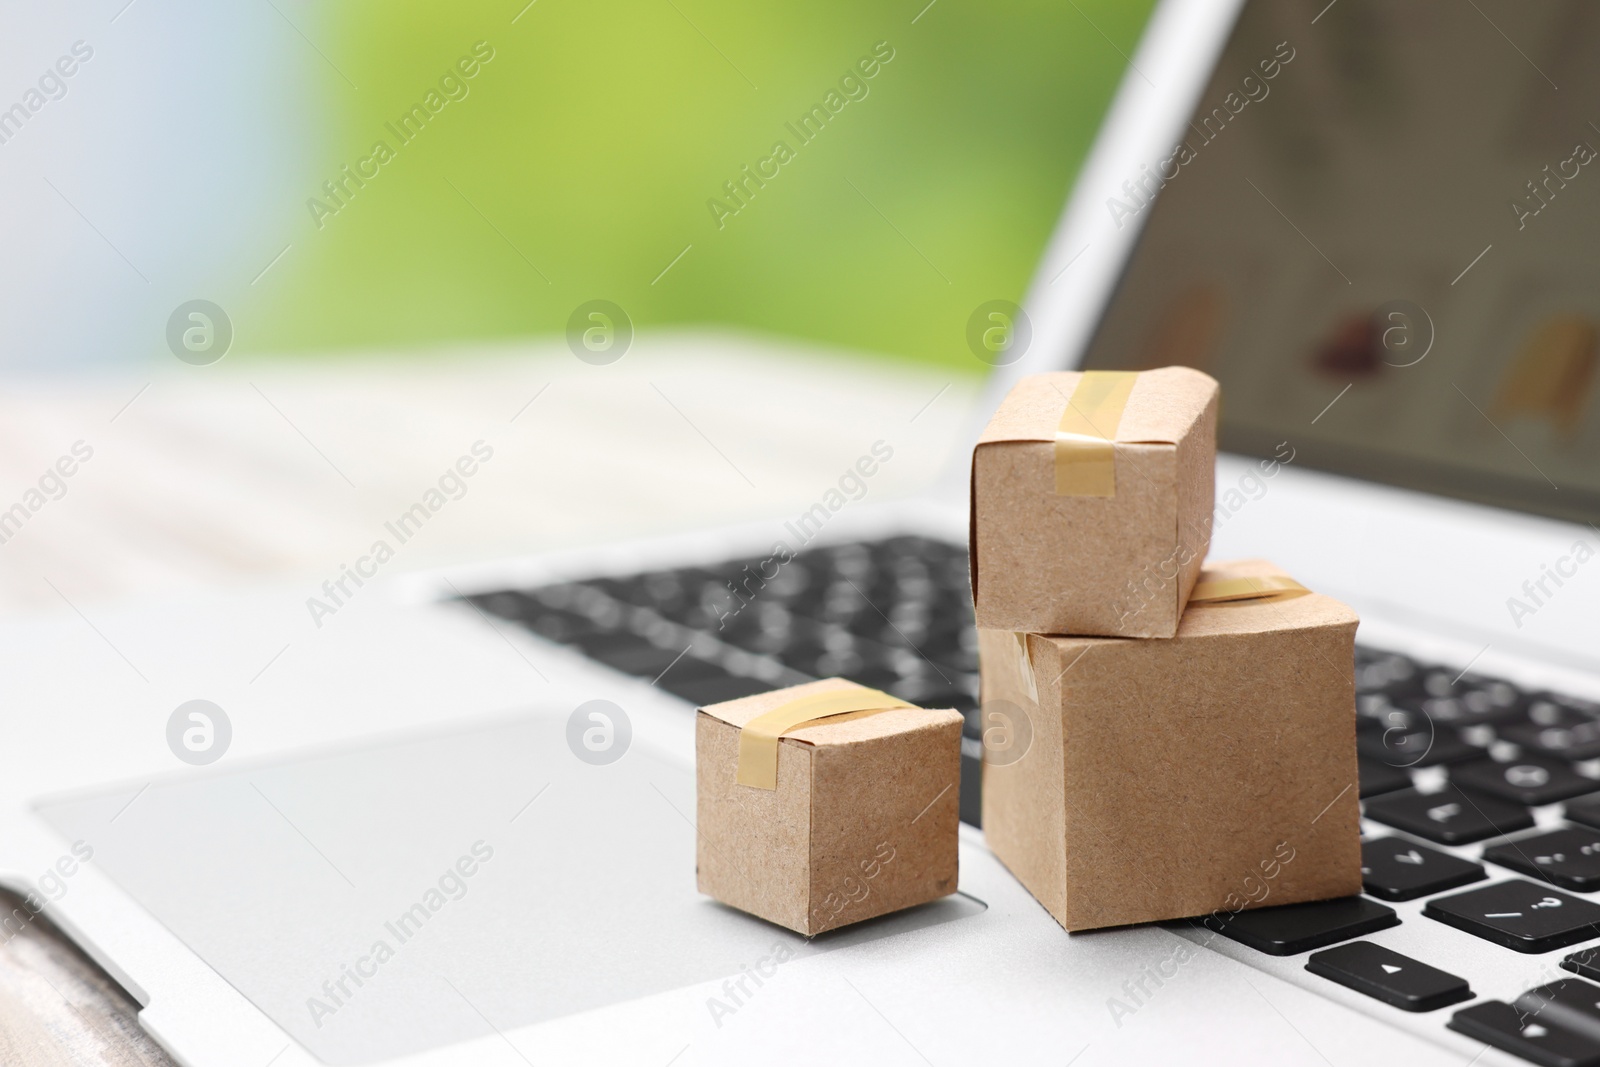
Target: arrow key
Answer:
pixel 1385 975
pixel 1585 961
pixel 1569 1003
pixel 1393 868
pixel 1494 1022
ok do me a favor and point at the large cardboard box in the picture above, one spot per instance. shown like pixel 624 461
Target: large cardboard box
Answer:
pixel 1170 778
pixel 1092 496
pixel 851 817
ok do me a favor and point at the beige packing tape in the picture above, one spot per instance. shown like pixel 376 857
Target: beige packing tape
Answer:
pixel 758 740
pixel 1086 462
pixel 1224 590
pixel 1025 657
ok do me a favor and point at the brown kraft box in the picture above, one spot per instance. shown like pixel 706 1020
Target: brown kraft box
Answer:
pixel 1067 559
pixel 862 822
pixel 1168 779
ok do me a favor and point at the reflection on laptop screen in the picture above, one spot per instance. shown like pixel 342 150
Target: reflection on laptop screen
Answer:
pixel 1379 233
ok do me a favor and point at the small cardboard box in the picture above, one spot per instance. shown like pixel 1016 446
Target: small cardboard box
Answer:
pixel 1168 779
pixel 861 822
pixel 1092 496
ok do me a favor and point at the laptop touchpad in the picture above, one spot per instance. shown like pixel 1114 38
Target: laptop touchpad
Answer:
pixel 379 902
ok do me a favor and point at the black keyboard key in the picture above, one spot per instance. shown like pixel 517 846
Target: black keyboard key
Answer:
pixel 1526 781
pixel 1585 810
pixel 1396 869
pixel 1585 961
pixel 1497 1023
pixel 1290 928
pixel 1465 699
pixel 1438 681
pixel 629 652
pixel 1519 915
pixel 1569 1003
pixel 1385 975
pixel 934 693
pixel 1385 672
pixel 1469 710
pixel 1567 858
pixel 1495 702
pixel 876 677
pixel 562 627
pixel 1579 741
pixel 1425 745
pixel 1556 709
pixel 1379 778
pixel 1378 714
pixel 1450 817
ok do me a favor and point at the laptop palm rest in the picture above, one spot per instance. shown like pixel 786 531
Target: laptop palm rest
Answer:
pixel 386 900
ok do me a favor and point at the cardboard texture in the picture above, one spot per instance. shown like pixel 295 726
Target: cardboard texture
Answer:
pixel 1119 565
pixel 863 821
pixel 1172 778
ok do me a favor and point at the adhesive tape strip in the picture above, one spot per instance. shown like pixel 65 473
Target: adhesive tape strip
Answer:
pixel 758 741
pixel 1025 662
pixel 1225 589
pixel 1085 450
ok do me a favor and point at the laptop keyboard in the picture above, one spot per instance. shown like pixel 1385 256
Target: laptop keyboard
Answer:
pixel 896 614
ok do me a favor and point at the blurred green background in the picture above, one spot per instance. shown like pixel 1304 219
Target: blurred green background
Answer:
pixel 587 148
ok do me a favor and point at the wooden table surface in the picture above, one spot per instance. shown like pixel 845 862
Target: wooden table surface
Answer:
pixel 57 1009
pixel 203 476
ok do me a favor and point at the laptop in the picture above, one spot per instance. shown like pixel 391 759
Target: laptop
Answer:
pixel 474 843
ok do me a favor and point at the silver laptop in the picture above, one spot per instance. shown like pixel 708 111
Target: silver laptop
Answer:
pixel 1374 224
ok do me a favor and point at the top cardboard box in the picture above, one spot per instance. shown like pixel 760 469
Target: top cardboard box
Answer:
pixel 1092 495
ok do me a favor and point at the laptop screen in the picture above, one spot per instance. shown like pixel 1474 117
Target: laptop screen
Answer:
pixel 1380 233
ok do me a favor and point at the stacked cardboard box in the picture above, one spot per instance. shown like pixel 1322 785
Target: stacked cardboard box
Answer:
pixel 1189 728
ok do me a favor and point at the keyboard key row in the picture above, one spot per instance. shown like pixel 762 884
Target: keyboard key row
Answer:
pixel 1557 1024
pixel 1396 869
pixel 1569 858
pixel 1518 915
pixel 1528 780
